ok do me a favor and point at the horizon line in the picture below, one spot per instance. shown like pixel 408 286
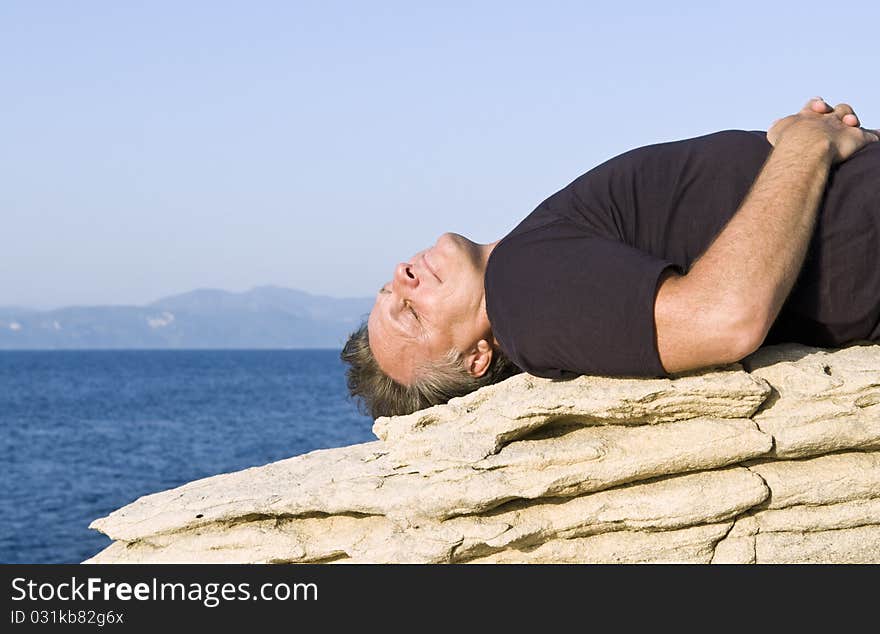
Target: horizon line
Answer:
pixel 15 306
pixel 339 349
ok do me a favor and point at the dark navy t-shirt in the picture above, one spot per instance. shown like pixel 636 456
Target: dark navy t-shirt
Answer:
pixel 571 289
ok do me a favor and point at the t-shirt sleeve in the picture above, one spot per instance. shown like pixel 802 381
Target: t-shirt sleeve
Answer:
pixel 563 302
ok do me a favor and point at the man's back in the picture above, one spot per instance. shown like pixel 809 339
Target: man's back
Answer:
pixel 571 288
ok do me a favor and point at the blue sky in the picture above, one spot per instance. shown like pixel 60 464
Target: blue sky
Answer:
pixel 152 148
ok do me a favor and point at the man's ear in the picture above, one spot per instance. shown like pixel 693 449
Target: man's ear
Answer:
pixel 479 359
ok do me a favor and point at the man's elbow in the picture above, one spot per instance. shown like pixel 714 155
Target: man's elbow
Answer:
pixel 697 329
pixel 746 330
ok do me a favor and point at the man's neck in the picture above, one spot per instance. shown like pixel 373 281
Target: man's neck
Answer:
pixel 485 252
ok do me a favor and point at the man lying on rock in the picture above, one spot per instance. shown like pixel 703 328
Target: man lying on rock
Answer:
pixel 668 258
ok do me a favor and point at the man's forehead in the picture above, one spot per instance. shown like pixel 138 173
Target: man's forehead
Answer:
pixel 383 315
pixel 389 343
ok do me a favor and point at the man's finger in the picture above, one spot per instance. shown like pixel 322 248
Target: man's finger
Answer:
pixel 850 119
pixel 817 104
pixel 842 109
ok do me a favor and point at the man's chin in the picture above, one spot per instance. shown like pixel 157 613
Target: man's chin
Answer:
pixel 456 245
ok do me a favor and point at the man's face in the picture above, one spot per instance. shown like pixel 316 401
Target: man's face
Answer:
pixel 432 304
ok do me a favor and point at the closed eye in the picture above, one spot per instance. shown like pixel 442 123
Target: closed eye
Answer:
pixel 411 309
pixel 406 303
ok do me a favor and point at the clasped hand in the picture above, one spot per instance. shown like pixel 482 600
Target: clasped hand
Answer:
pixel 818 123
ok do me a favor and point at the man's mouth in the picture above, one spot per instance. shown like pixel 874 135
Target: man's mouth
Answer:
pixel 429 267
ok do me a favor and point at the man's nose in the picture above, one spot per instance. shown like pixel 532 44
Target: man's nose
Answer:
pixel 405 275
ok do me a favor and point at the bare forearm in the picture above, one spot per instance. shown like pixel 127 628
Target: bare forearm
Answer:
pixel 721 310
pixel 751 266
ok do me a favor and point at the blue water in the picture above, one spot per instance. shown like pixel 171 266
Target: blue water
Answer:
pixel 85 432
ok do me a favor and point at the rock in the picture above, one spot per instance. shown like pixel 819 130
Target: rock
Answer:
pixel 479 424
pixel 824 480
pixel 822 401
pixel 665 503
pixel 856 545
pixel 369 482
pixel 847 546
pixel 776 460
pixel 688 545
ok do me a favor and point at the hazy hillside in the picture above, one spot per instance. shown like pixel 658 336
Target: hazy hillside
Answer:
pixel 263 317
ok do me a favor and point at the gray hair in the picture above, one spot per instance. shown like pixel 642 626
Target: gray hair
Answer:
pixel 435 383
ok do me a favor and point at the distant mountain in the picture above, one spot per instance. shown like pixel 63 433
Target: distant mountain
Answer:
pixel 263 317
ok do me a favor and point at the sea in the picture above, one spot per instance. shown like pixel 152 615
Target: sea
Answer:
pixel 83 433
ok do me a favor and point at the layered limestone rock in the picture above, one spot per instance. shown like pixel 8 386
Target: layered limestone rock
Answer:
pixel 774 460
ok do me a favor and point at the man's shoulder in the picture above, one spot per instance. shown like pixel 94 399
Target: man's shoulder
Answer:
pixel 603 200
pixel 722 140
pixel 665 159
pixel 652 171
